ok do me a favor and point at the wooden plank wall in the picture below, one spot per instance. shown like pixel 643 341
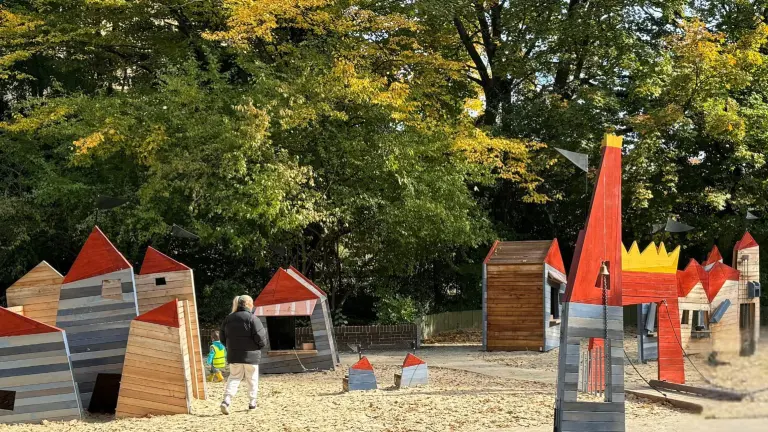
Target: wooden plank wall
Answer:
pixel 750 271
pixel 670 353
pixel 725 334
pixel 552 278
pixel 179 285
pixel 97 328
pixel 413 376
pixel 37 368
pixel 38 291
pixel 695 300
pixel 156 378
pixel 515 304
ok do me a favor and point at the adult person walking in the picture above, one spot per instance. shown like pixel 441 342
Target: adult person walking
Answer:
pixel 244 336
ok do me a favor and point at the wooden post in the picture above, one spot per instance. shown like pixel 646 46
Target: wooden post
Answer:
pixel 191 352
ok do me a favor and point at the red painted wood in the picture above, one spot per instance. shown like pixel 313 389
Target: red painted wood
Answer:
pixel 642 287
pixel 554 259
pixel 671 365
pixel 13 324
pixel 412 360
pixel 362 364
pixel 746 242
pixel 284 288
pixel 602 238
pixel 97 257
pixel 713 256
pixel 491 252
pixel 306 279
pixel 718 275
pixel 712 281
pixel 158 262
pixel 689 277
pixel 165 315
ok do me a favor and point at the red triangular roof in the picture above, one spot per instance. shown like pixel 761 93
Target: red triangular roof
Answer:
pixel 158 262
pixel 165 315
pixel 309 281
pixel 97 257
pixel 713 256
pixel 284 288
pixel 554 258
pixel 746 242
pixel 718 274
pixel 689 277
pixel 412 360
pixel 14 324
pixel 712 281
pixel 363 364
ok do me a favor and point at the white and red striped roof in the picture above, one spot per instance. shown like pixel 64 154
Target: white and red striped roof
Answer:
pixel 288 293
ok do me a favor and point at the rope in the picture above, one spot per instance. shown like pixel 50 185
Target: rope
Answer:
pixel 641 375
pixel 304 369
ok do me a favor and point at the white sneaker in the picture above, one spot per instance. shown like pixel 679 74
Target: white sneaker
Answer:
pixel 225 408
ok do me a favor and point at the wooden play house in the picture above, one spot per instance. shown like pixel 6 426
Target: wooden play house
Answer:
pixel 157 376
pixel 522 282
pixel 414 373
pixel 360 376
pixel 36 381
pixel 290 294
pixel 96 305
pixel 36 294
pixel 163 279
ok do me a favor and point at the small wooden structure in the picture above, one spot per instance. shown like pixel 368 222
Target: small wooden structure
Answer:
pixel 746 259
pixel 414 373
pixel 37 293
pixel 287 295
pixel 360 376
pixel 157 377
pixel 96 305
pixel 163 279
pixel 36 381
pixel 522 282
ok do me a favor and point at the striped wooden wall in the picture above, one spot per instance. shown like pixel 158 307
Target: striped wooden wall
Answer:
pixel 97 328
pixel 750 271
pixel 37 368
pixel 515 306
pixel 725 334
pixel 325 356
pixel 553 278
pixel 38 292
pixel 178 285
pixel 157 377
pixel 695 300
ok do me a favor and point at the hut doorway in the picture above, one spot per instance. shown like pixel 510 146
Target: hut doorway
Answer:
pixel 282 332
pixel 747 328
pixel 105 393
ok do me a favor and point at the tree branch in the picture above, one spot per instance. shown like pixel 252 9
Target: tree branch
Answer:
pixel 472 51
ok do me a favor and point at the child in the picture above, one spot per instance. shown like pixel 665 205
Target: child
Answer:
pixel 217 358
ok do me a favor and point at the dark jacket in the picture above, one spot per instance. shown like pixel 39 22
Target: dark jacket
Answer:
pixel 243 335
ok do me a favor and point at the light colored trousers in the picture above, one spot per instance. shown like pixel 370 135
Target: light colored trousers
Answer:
pixel 237 373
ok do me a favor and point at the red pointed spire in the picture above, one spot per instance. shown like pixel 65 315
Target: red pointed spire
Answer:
pixel 97 257
pixel 412 360
pixel 746 242
pixel 713 256
pixel 363 364
pixel 165 315
pixel 158 262
pixel 554 258
pixel 14 324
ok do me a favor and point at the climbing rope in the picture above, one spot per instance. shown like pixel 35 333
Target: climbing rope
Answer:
pixel 641 375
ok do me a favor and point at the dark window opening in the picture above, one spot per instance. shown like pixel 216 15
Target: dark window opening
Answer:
pixel 105 392
pixel 282 333
pixel 700 324
pixel 746 315
pixel 160 281
pixel 554 304
pixel 7 400
pixel 685 317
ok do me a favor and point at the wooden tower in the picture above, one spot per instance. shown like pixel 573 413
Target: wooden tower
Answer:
pixel 287 295
pixel 746 258
pixel 522 282
pixel 157 377
pixel 161 280
pixel 37 293
pixel 36 380
pixel 96 305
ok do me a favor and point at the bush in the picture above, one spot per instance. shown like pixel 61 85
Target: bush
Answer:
pixel 396 310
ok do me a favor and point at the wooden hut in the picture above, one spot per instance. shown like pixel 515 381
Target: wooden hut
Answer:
pixel 290 294
pixel 414 372
pixel 37 293
pixel 360 376
pixel 522 282
pixel 96 305
pixel 157 376
pixel 746 259
pixel 36 380
pixel 163 279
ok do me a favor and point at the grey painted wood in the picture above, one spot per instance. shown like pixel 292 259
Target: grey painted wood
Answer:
pixel 485 306
pixel 414 376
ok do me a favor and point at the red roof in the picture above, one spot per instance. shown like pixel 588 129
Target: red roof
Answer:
pixel 412 360
pixel 712 280
pixel 97 257
pixel 554 258
pixel 158 262
pixel 746 242
pixel 713 256
pixel 718 274
pixel 165 315
pixel 689 277
pixel 490 252
pixel 19 325
pixel 285 288
pixel 363 364
pixel 306 279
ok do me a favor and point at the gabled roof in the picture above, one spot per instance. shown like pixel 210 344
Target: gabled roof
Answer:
pixel 158 262
pixel 362 364
pixel 165 315
pixel 526 252
pixel 288 286
pixel 97 257
pixel 712 279
pixel 42 271
pixel 746 242
pixel 713 257
pixel 14 324
pixel 412 360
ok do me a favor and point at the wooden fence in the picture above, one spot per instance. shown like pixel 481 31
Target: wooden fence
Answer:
pixel 430 325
